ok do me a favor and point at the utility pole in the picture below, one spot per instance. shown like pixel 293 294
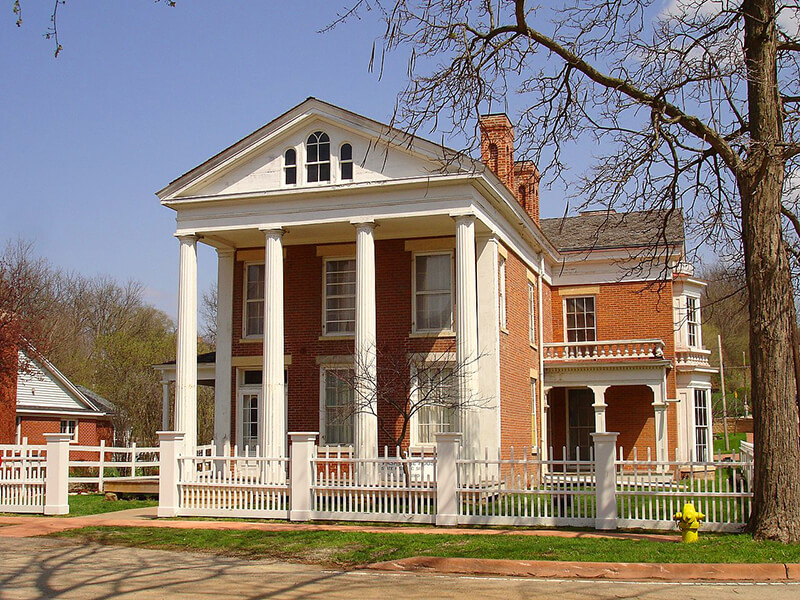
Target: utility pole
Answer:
pixel 744 366
pixel 724 400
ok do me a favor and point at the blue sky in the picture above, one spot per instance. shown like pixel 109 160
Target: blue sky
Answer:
pixel 140 94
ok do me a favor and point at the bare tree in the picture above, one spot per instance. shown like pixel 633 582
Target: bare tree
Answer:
pixel 208 314
pixel 691 107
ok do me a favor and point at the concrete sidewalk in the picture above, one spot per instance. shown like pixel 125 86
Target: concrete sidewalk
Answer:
pixel 23 527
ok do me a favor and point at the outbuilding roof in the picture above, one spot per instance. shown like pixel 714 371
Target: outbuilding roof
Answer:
pixel 601 230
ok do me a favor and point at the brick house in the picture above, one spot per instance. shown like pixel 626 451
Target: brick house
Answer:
pixel 344 245
pixel 45 401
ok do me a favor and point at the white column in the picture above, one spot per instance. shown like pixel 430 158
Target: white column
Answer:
pixel 56 487
pixel 599 406
pixel 660 410
pixel 164 405
pixel 222 370
pixel 467 332
pixel 488 378
pixel 273 420
pixel 186 375
pixel 366 357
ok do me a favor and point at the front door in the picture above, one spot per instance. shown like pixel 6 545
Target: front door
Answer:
pixel 580 423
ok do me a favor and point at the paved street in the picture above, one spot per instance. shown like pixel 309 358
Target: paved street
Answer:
pixel 49 568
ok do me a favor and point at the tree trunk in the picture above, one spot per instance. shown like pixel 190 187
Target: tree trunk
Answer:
pixel 776 486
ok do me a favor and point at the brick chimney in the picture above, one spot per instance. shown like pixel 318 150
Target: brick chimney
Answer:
pixel 527 192
pixel 497 146
pixel 497 153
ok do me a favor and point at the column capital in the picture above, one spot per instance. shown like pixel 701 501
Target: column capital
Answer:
pixel 187 238
pixel 461 217
pixel 272 231
pixel 225 252
pixel 364 224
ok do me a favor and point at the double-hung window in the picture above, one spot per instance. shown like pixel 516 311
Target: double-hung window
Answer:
pixel 531 314
pixel 290 166
pixel 580 314
pixel 340 297
pixel 254 300
pixel 318 157
pixel 692 322
pixel 701 425
pixel 435 394
pixel 70 426
pixel 433 292
pixel 338 407
pixel 346 161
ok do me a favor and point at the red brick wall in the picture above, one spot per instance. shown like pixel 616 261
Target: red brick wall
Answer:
pixel 632 311
pixel 630 412
pixel 8 393
pixel 90 431
pixel 303 326
pixel 517 358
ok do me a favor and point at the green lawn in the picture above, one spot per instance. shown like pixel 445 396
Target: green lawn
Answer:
pixel 81 505
pixel 359 548
pixel 734 438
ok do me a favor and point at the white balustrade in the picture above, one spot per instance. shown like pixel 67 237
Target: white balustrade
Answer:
pixel 605 350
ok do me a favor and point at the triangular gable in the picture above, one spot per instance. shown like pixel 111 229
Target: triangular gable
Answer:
pixel 46 388
pixel 255 163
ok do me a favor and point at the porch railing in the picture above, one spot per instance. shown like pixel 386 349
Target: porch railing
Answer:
pixel 692 358
pixel 605 350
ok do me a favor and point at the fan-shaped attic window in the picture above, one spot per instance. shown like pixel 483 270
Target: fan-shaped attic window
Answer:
pixel 290 166
pixel 318 157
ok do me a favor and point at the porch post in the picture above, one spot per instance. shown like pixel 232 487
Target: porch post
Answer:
pixel 599 406
pixel 301 475
pixel 272 423
pixel 222 369
pixel 447 478
pixel 186 361
pixel 660 410
pixel 605 446
pixel 170 444
pixel 56 487
pixel 164 405
pixel 467 332
pixel 366 356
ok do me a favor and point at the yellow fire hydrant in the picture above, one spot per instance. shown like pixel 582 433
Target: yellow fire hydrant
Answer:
pixel 689 522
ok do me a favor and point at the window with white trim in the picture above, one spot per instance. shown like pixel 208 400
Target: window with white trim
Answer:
pixel 436 391
pixel 701 425
pixel 580 316
pixel 433 292
pixel 692 322
pixel 531 314
pixel 254 300
pixel 318 157
pixel 339 303
pixel 502 294
pixel 70 426
pixel 346 161
pixel 290 166
pixel 338 411
pixel 250 402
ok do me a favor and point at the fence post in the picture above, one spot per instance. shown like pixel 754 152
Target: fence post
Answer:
pixel 133 459
pixel 447 478
pixel 605 446
pixel 301 475
pixel 56 499
pixel 101 466
pixel 171 445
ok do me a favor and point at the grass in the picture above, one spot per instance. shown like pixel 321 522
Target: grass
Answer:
pixel 347 549
pixel 734 438
pixel 81 505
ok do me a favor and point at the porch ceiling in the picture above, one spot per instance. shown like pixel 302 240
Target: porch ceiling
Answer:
pixel 340 232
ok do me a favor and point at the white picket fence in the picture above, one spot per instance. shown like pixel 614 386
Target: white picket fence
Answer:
pixel 522 490
pixel 23 470
pixel 396 486
pixel 650 492
pixel 95 465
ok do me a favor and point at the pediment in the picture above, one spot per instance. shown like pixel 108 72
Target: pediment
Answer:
pixel 256 164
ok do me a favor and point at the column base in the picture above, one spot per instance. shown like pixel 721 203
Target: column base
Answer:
pixel 167 511
pixel 60 509
pixel 300 515
pixel 605 524
pixel 446 520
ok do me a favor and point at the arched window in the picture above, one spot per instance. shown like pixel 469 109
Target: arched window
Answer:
pixel 346 161
pixel 493 157
pixel 290 166
pixel 318 157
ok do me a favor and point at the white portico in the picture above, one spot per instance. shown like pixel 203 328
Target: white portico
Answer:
pixel 267 192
